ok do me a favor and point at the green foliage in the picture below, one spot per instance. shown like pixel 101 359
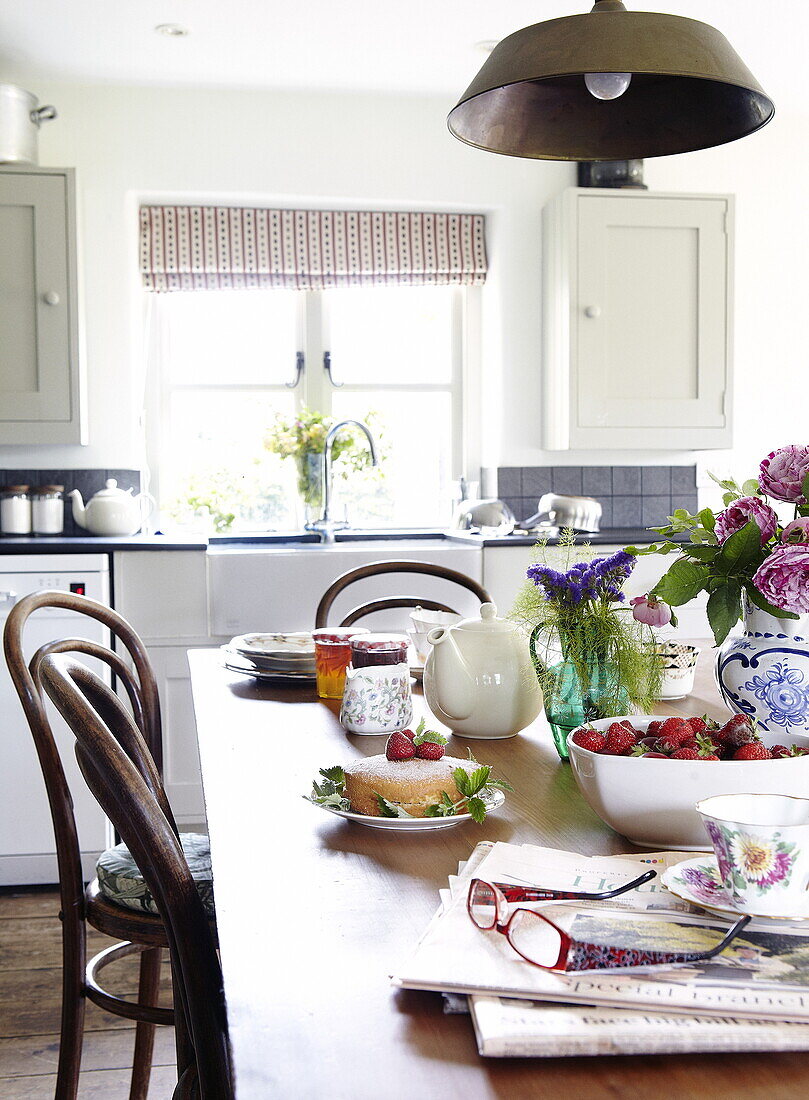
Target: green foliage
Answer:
pixel 724 571
pixel 303 438
pixel 606 646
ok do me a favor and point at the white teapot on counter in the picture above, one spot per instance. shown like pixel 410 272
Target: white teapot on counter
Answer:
pixel 479 679
pixel 112 511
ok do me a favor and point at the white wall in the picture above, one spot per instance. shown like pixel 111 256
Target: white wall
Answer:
pixel 386 151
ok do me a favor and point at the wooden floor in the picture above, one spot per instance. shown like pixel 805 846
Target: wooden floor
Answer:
pixel 30 974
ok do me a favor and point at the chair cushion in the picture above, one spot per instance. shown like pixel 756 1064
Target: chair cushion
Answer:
pixel 121 882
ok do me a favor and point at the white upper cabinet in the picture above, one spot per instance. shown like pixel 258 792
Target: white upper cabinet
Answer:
pixel 39 358
pixel 637 320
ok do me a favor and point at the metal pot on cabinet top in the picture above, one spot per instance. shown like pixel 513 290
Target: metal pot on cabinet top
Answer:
pixel 20 119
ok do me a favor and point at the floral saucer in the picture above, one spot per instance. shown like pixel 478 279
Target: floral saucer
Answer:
pixel 698 881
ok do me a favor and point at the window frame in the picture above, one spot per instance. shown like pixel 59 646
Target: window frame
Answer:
pixel 314 389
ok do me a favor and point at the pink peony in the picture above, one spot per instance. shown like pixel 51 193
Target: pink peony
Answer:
pixel 653 612
pixel 740 512
pixel 782 472
pixel 783 579
pixel 797 531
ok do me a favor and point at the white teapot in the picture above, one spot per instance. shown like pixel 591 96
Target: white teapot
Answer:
pixel 479 679
pixel 112 511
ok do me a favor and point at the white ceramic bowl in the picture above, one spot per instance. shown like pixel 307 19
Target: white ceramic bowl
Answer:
pixel 653 802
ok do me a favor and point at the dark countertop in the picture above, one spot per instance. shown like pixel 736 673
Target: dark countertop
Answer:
pixel 83 544
pixel 617 536
pixel 95 544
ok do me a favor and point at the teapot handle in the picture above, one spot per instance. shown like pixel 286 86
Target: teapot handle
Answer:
pixel 146 498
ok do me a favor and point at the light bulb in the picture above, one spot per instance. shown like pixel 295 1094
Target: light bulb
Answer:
pixel 607 85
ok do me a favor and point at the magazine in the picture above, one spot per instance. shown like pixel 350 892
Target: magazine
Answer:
pixel 763 974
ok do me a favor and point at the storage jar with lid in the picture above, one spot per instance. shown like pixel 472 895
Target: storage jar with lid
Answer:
pixel 47 509
pixel 377 698
pixel 15 510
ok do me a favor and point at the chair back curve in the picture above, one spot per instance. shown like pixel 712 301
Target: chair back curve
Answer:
pixel 373 569
pixel 108 742
pixel 141 687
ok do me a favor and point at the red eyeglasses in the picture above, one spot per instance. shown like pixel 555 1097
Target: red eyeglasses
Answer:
pixel 541 942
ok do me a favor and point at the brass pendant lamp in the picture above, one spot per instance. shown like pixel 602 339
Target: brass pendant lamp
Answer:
pixel 610 85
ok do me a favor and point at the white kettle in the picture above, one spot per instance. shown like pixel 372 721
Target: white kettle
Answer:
pixel 479 679
pixel 112 511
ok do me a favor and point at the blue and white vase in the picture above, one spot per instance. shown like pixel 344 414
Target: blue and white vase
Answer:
pixel 765 672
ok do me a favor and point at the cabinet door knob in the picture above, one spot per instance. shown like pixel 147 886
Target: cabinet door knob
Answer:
pixel 592 311
pixel 51 298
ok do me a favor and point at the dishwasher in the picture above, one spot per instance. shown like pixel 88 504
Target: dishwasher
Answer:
pixel 27 846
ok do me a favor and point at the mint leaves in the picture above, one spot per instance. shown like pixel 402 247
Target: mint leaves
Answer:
pixel 331 792
pixel 433 736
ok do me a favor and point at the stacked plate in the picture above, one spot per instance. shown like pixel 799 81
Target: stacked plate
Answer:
pixel 276 658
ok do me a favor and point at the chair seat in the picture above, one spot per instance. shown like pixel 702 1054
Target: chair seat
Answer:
pixel 121 882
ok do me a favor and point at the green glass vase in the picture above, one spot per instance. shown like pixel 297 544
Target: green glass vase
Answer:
pixel 575 696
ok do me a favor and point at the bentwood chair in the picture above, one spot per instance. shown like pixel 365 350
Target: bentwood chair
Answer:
pixel 115 761
pixel 137 931
pixel 377 568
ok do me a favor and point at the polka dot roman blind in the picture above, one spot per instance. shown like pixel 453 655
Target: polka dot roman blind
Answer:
pixel 215 247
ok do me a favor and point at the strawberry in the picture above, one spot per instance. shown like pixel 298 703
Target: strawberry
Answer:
pixel 399 747
pixel 429 750
pixel 737 731
pixel 666 745
pixel 619 740
pixel 698 725
pixel 709 756
pixel 409 734
pixel 685 754
pixel 707 747
pixel 677 730
pixel 590 739
pixel 752 750
pixel 778 751
pixel 653 729
pixel 628 725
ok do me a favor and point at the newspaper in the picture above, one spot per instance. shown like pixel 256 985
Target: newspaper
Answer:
pixel 762 977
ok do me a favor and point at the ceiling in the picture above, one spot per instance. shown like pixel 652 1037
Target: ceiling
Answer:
pixel 420 47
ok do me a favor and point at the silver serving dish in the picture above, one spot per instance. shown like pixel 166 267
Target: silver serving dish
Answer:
pixel 578 513
pixel 488 517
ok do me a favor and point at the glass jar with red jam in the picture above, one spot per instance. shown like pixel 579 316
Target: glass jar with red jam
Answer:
pixel 370 650
pixel 332 655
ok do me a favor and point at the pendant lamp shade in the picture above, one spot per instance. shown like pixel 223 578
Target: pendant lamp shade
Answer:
pixel 688 90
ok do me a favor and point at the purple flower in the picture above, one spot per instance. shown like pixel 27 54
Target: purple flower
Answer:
pixel 647 609
pixel 600 578
pixel 740 512
pixel 783 578
pixel 797 531
pixel 782 472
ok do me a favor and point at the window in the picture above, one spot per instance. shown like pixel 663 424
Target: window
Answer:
pixel 224 363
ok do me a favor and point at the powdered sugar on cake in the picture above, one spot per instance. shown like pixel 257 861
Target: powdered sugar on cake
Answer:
pixel 414 770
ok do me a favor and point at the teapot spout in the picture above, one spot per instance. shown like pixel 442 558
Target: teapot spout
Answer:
pixel 79 511
pixel 453 679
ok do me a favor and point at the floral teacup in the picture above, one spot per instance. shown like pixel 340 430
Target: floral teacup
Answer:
pixel 377 699
pixel 761 843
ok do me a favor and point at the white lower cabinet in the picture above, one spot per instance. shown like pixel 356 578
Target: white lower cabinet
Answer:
pixel 504 570
pixel 181 774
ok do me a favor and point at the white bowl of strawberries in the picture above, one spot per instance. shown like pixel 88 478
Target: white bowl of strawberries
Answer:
pixel 644 774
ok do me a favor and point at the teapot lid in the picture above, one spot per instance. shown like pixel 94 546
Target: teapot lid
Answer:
pixel 111 490
pixel 488 622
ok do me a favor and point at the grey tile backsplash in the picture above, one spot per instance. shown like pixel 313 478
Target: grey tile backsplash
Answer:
pixel 630 496
pixel 86 481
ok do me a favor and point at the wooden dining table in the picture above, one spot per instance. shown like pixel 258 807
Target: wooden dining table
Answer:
pixel 315 911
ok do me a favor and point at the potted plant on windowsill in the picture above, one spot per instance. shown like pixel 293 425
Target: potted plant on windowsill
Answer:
pixel 303 438
pixel 755 568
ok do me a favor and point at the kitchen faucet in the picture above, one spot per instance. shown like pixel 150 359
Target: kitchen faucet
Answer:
pixel 326 526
